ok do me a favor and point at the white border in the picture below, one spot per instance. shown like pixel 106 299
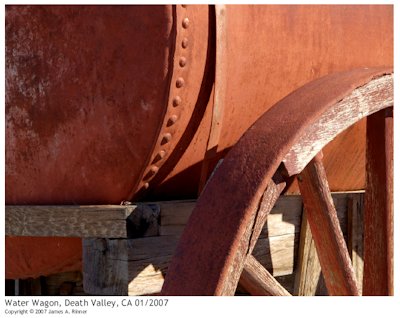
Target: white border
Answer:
pixel 102 2
pixel 241 306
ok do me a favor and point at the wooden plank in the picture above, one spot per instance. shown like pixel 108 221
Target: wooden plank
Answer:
pixel 309 269
pixel 68 221
pixel 355 242
pixel 171 230
pixel 148 263
pixel 324 224
pixel 141 264
pixel 174 216
pixel 258 281
pixel 163 218
pixel 175 212
pixel 285 217
pixel 378 218
pixel 270 196
pixel 277 254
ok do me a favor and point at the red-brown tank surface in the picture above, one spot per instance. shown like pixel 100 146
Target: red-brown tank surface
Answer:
pixel 272 50
pixel 113 103
pixel 91 93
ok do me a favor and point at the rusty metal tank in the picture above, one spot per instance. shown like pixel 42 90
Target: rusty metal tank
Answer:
pixel 113 103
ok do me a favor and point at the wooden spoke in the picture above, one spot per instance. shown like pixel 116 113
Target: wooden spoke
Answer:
pixel 324 224
pixel 378 218
pixel 258 281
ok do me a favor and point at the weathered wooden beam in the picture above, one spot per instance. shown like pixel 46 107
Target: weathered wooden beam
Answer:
pixel 143 219
pixel 112 221
pixel 68 221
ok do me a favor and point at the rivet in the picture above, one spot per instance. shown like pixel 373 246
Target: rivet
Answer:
pixel 161 153
pixel 180 82
pixel 166 138
pixel 185 43
pixel 159 156
pixel 176 101
pixel 153 169
pixel 182 61
pixel 146 185
pixel 172 120
pixel 185 23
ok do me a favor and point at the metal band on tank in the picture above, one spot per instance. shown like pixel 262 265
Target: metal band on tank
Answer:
pixel 178 112
pixel 219 94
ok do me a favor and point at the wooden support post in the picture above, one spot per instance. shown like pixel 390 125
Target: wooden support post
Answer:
pixel 378 218
pixel 105 270
pixel 126 266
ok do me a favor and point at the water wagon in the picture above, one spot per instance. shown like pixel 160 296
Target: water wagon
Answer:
pixel 225 112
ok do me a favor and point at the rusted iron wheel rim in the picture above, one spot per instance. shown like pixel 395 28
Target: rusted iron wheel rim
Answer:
pixel 215 249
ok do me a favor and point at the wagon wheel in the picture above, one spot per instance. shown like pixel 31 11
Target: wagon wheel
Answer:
pixel 215 249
